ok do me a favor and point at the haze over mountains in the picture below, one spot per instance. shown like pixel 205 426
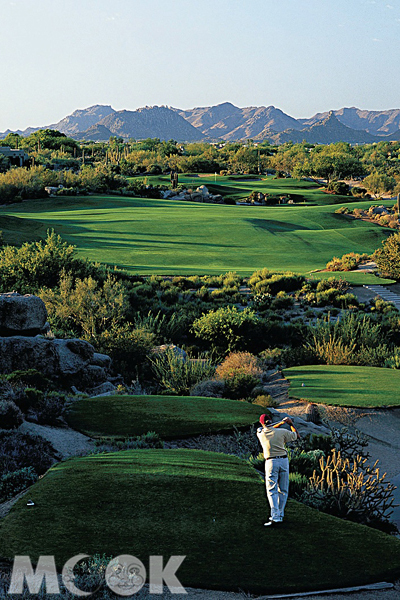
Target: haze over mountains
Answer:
pixel 227 122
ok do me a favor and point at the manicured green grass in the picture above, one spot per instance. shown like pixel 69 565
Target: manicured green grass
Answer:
pixel 173 237
pixel 341 385
pixel 169 416
pixel 206 506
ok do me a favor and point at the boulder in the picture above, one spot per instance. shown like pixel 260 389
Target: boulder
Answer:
pixel 176 350
pixel 68 361
pixel 21 315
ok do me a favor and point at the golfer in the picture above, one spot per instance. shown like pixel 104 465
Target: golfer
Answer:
pixel 273 440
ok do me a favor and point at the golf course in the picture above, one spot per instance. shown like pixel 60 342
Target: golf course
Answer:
pixel 206 506
pixel 168 416
pixel 341 385
pixel 164 237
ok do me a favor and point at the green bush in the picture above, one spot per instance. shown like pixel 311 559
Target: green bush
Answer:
pixel 297 484
pixel 49 407
pixel 269 282
pixel 18 450
pixel 210 388
pixel 38 264
pixel 141 442
pixel 281 301
pixel 15 482
pixel 303 462
pixel 30 378
pixel 129 348
pixel 239 385
pixel 226 329
pixel 265 400
pixel 176 375
pixel 10 415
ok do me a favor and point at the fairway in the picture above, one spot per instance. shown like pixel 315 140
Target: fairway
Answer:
pixel 340 385
pixel 206 506
pixel 169 416
pixel 172 237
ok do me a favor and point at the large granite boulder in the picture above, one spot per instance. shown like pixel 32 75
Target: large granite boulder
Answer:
pixel 21 315
pixel 71 362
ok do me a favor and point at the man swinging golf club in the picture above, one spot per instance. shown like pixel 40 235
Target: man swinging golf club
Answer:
pixel 273 440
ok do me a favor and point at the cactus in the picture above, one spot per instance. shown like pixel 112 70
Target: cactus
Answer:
pixel 351 489
pixel 312 414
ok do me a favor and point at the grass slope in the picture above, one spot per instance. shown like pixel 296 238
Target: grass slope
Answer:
pixel 340 385
pixel 173 237
pixel 206 506
pixel 169 416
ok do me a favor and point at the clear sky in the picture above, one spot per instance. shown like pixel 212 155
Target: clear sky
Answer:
pixel 303 56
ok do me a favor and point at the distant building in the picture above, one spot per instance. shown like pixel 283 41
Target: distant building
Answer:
pixel 16 156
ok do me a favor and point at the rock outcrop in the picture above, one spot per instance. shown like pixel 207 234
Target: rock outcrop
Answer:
pixel 21 315
pixel 71 362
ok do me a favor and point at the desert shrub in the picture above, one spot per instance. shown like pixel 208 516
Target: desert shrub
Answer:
pixel 388 257
pixel 210 388
pixel 358 191
pixel 30 378
pixel 316 441
pixel 165 328
pixel 347 262
pixel 330 283
pixel 239 362
pixel 303 462
pixel 18 450
pixel 265 400
pixel 343 210
pixel 145 441
pixel 351 489
pixel 262 301
pixel 351 340
pixel 271 357
pixel 393 361
pixel 10 415
pixel 239 385
pixel 85 306
pixel 176 375
pixel 129 348
pixel 257 462
pixel 269 282
pixel 38 264
pixel 225 329
pixel 16 481
pixel 49 407
pixel 296 356
pixel 281 301
pixel 339 187
pixel 297 484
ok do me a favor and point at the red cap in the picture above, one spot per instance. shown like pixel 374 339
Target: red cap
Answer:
pixel 265 417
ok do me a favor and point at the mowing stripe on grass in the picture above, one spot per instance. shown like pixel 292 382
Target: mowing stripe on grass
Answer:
pixel 341 385
pixel 207 506
pixel 169 416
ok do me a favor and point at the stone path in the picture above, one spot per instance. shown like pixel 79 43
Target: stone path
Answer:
pixel 385 294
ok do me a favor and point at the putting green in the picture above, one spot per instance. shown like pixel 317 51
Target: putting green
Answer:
pixel 341 385
pixel 206 506
pixel 169 416
pixel 174 237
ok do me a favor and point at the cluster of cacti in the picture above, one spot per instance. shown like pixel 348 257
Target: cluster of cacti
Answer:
pixel 351 489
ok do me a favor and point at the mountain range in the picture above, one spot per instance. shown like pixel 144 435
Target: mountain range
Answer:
pixel 227 122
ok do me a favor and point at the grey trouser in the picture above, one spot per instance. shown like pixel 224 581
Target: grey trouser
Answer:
pixel 277 484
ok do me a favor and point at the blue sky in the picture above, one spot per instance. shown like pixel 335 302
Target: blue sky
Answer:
pixel 302 56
